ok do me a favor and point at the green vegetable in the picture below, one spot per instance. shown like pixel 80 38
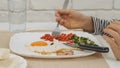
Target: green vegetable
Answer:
pixel 82 40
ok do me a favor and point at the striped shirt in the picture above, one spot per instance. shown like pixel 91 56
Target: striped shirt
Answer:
pixel 100 24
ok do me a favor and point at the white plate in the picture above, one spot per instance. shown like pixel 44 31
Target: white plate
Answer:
pixel 21 62
pixel 19 40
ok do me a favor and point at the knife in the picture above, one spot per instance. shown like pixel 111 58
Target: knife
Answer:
pixel 96 48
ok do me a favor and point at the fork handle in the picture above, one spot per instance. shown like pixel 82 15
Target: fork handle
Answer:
pixel 58 24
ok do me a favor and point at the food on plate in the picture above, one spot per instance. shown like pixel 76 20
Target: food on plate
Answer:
pixel 63 37
pixel 6 61
pixel 49 49
pixel 82 40
pixel 49 44
pixel 69 38
pixel 4 53
pixel 63 52
pixel 48 37
pixel 39 43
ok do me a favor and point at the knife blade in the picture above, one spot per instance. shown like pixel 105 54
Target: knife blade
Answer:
pixel 89 47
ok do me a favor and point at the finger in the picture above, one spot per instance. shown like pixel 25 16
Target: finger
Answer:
pixel 63 12
pixel 57 14
pixel 113 33
pixel 117 22
pixel 115 26
pixel 62 22
pixel 64 17
pixel 58 19
pixel 65 23
pixel 114 46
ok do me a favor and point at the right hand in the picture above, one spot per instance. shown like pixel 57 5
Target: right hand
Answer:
pixel 73 20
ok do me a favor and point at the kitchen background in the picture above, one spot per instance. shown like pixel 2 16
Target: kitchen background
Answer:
pixel 43 10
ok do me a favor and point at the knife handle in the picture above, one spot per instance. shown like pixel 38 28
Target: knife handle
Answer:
pixel 95 48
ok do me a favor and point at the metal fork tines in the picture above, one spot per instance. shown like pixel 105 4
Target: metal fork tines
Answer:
pixel 56 31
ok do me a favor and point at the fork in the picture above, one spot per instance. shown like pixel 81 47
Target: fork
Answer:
pixel 56 31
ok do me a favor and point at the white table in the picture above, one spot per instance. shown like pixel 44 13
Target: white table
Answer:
pixel 109 57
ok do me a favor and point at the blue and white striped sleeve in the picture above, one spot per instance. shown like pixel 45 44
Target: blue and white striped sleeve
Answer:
pixel 100 24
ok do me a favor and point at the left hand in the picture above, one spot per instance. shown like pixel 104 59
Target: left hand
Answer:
pixel 114 30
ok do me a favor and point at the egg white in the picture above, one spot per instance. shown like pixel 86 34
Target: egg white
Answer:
pixel 50 48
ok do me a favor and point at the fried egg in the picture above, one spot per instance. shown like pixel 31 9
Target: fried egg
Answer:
pixel 39 43
pixel 44 47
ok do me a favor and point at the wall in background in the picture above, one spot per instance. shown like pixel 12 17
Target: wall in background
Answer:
pixel 43 10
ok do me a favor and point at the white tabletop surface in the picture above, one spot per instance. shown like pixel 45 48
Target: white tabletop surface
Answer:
pixel 109 57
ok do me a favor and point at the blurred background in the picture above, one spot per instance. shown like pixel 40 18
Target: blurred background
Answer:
pixel 43 10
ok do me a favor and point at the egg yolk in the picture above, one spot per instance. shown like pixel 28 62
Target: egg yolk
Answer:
pixel 39 43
